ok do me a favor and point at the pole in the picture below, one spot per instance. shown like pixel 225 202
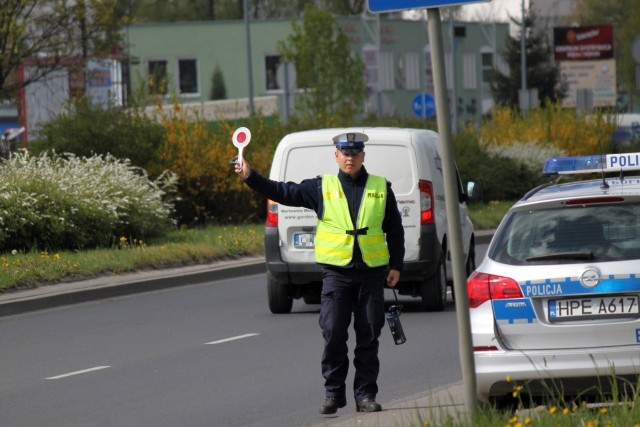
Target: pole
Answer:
pixel 453 213
pixel 249 65
pixel 523 53
pixel 454 96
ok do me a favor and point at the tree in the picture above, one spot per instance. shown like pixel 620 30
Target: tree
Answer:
pixel 332 79
pixel 624 15
pixel 192 10
pixel 218 88
pixel 46 31
pixel 541 72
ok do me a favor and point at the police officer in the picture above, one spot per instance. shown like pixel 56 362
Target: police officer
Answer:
pixel 359 245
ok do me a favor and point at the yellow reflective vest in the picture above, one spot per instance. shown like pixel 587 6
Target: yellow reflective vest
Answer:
pixel 335 234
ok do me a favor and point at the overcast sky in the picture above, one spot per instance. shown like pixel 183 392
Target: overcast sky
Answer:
pixel 498 10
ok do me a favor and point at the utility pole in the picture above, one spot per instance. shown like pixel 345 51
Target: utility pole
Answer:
pixel 249 65
pixel 523 52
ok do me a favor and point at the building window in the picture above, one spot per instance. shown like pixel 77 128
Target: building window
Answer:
pixel 412 71
pixel 387 71
pixel 271 63
pixel 188 76
pixel 157 77
pixel 370 55
pixel 469 70
pixel 487 70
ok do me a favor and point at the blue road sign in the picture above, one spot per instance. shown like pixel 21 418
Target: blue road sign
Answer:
pixel 393 5
pixel 424 105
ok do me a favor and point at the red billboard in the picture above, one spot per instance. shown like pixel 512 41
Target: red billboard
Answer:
pixel 588 43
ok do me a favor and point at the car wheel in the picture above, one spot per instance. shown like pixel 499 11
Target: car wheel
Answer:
pixel 279 300
pixel 434 290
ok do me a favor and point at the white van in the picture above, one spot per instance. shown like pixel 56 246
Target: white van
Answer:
pixel 410 160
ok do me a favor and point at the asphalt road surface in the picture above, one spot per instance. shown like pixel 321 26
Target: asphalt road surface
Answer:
pixel 201 355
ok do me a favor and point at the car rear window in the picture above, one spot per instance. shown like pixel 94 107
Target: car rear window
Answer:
pixel 394 162
pixel 568 235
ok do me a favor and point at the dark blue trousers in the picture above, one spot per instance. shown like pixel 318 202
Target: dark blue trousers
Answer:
pixel 345 292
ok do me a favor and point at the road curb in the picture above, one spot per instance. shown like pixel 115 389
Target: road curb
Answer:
pixel 49 296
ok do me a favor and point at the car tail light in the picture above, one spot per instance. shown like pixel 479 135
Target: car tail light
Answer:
pixel 272 214
pixel 426 202
pixel 483 287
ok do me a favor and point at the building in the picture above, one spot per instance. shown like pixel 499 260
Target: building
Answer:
pixel 180 58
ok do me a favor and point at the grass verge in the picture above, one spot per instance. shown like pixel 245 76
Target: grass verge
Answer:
pixel 181 247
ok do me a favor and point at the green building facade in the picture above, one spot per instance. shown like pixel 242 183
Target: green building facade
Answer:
pixel 177 61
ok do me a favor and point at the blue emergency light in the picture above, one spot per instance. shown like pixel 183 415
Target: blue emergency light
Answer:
pixel 605 163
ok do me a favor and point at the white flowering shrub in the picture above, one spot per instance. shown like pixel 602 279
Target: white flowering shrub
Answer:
pixel 69 202
pixel 531 155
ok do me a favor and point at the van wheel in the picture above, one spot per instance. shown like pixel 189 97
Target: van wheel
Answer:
pixel 434 290
pixel 279 300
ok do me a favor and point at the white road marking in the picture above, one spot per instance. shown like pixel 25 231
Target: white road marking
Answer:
pixel 84 371
pixel 239 337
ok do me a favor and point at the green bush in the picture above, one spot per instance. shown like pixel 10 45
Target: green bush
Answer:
pixel 501 178
pixel 52 202
pixel 86 129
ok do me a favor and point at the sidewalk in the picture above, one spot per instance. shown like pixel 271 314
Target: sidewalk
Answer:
pixel 419 410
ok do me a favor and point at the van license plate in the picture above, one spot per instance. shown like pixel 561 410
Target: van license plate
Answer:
pixel 580 308
pixel 303 240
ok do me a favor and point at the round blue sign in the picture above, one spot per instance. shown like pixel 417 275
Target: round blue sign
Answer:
pixel 424 105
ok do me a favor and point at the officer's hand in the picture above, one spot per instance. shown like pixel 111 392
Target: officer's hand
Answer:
pixel 392 278
pixel 243 170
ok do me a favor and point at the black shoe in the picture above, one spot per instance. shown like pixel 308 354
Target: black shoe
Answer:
pixel 368 405
pixel 331 405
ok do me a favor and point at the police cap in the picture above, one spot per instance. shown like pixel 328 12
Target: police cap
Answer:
pixel 350 140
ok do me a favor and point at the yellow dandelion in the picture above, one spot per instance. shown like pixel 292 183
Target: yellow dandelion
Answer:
pixel 527 420
pixel 57 256
pixel 513 419
pixel 518 424
pixel 508 378
pixel 590 423
pixel 565 411
pixel 425 423
pixel 603 411
pixel 123 239
pixel 553 410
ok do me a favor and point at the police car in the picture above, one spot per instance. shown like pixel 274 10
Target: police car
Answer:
pixel 555 304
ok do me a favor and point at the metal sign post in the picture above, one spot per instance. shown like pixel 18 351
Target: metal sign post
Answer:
pixel 450 184
pixel 453 213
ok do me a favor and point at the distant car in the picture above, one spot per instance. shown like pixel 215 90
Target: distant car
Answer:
pixel 555 304
pixel 627 130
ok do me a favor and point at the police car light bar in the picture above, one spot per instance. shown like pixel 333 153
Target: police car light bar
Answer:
pixel 592 164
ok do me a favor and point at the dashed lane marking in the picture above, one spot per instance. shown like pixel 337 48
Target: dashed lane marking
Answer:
pixel 84 371
pixel 239 337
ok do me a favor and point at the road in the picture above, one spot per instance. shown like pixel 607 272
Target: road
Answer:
pixel 201 355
